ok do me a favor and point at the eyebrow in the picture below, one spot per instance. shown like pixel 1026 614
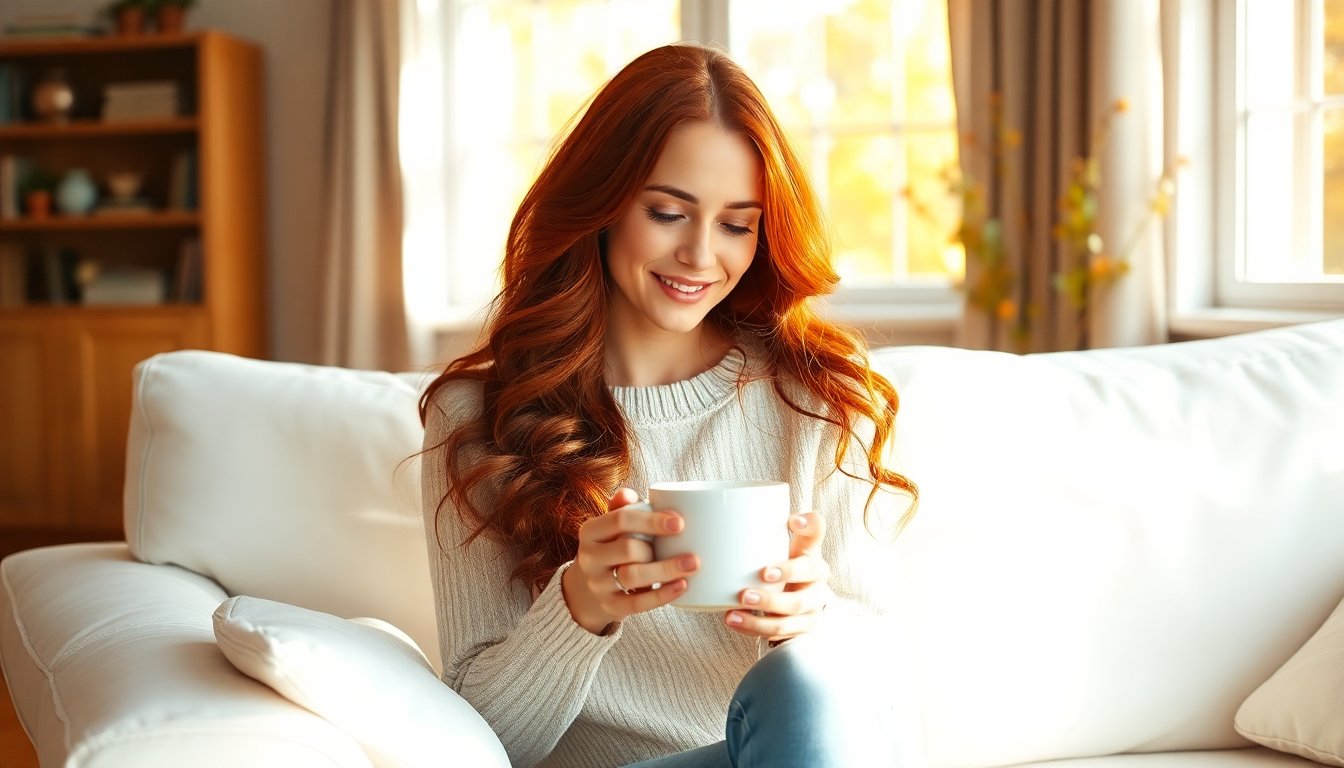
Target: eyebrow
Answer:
pixel 693 200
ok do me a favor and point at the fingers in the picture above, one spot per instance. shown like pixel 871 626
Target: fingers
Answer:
pixel 808 531
pixel 798 613
pixel 623 497
pixel 630 519
pixel 803 569
pixel 641 575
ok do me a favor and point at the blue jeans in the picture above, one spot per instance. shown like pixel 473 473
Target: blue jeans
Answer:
pixel 801 705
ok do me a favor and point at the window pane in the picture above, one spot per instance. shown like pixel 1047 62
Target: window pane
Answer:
pixel 523 70
pixel 866 87
pixel 1333 252
pixel 1334 47
pixel 1270 64
pixel 1270 187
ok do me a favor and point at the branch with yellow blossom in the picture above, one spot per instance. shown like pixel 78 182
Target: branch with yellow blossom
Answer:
pixel 993 285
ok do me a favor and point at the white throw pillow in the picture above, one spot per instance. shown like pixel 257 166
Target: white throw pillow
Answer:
pixel 363 675
pixel 1300 708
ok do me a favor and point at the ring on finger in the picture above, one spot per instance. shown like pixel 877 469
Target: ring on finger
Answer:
pixel 616 578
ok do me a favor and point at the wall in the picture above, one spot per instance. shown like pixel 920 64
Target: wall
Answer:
pixel 293 36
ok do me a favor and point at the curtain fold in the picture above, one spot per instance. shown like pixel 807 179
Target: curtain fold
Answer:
pixel 1035 82
pixel 363 323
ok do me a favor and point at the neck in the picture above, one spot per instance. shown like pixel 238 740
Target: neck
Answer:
pixel 666 358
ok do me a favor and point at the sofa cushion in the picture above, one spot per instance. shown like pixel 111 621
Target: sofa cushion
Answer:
pixel 362 675
pixel 112 662
pixel 1114 548
pixel 1300 709
pixel 283 481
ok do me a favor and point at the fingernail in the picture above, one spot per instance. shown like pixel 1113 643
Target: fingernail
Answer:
pixel 799 521
pixel 734 618
pixel 678 586
pixel 751 598
pixel 686 563
pixel 772 574
pixel 672 524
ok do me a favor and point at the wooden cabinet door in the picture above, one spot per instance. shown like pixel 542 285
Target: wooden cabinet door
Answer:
pixel 34 422
pixel 106 350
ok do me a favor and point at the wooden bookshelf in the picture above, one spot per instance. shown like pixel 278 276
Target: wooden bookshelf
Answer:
pixel 65 367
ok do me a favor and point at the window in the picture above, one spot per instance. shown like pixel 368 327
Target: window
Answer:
pixel 863 87
pixel 1281 127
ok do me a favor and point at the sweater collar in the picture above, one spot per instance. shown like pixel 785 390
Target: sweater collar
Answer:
pixel 683 399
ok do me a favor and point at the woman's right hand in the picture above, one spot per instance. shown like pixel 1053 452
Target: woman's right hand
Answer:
pixel 614 574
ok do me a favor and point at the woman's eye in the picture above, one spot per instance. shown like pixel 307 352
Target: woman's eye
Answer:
pixel 737 229
pixel 662 218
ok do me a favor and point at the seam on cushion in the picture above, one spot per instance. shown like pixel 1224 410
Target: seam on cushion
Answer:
pixel 1255 736
pixel 70 651
pixel 148 369
pixel 57 705
pixel 92 745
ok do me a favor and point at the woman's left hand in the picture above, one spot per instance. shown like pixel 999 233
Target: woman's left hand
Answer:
pixel 797 609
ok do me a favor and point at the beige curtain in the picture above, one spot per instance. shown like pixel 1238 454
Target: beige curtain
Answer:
pixel 363 307
pixel 1055 69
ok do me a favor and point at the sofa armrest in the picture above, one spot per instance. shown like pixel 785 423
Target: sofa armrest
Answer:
pixel 112 661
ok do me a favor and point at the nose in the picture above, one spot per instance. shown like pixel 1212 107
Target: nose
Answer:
pixel 697 252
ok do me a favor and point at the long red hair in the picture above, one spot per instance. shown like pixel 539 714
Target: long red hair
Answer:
pixel 551 445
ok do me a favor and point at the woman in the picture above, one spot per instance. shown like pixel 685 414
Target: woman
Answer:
pixel 655 325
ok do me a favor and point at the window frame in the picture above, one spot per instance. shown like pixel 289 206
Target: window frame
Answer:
pixel 928 299
pixel 1230 109
pixel 923 300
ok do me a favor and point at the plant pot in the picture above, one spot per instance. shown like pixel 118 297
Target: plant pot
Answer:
pixel 37 204
pixel 131 21
pixel 172 19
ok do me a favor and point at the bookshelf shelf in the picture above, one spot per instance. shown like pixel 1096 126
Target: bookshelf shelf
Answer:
pixel 186 274
pixel 98 129
pixel 95 222
pixel 76 46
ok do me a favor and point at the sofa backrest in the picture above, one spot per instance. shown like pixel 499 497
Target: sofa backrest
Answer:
pixel 1114 548
pixel 283 481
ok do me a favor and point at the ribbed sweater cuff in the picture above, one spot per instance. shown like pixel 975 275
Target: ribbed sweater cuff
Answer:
pixel 550 616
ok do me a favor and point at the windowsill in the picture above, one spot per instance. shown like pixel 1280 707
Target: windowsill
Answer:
pixel 1212 322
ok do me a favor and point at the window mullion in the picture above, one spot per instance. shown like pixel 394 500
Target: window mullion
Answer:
pixel 705 21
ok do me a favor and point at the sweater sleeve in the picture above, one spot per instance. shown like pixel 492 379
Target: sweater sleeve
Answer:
pixel 522 663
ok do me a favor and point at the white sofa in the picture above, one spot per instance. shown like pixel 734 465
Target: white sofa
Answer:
pixel 1114 549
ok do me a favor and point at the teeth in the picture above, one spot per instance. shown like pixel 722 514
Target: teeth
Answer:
pixel 680 287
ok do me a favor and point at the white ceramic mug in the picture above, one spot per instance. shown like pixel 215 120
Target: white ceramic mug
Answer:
pixel 735 527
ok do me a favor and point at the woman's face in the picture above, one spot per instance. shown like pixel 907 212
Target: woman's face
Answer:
pixel 690 234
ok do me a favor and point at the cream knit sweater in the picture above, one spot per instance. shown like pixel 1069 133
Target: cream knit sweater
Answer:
pixel 659 682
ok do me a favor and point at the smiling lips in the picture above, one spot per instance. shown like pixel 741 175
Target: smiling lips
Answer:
pixel 682 289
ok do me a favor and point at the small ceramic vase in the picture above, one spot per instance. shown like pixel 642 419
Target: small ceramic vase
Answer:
pixel 76 193
pixel 53 98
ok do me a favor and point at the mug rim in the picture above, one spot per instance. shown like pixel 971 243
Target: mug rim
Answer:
pixel 714 485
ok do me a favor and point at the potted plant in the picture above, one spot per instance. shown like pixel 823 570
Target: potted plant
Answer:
pixel 36 190
pixel 128 16
pixel 171 15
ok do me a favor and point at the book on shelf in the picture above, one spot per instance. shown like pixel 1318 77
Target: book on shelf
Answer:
pixel 13 86
pixel 13 275
pixel 125 286
pixel 136 206
pixel 50 25
pixel 187 277
pixel 145 100
pixel 182 181
pixel 48 275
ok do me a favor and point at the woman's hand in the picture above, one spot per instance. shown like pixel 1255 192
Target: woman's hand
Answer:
pixel 797 609
pixel 614 574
